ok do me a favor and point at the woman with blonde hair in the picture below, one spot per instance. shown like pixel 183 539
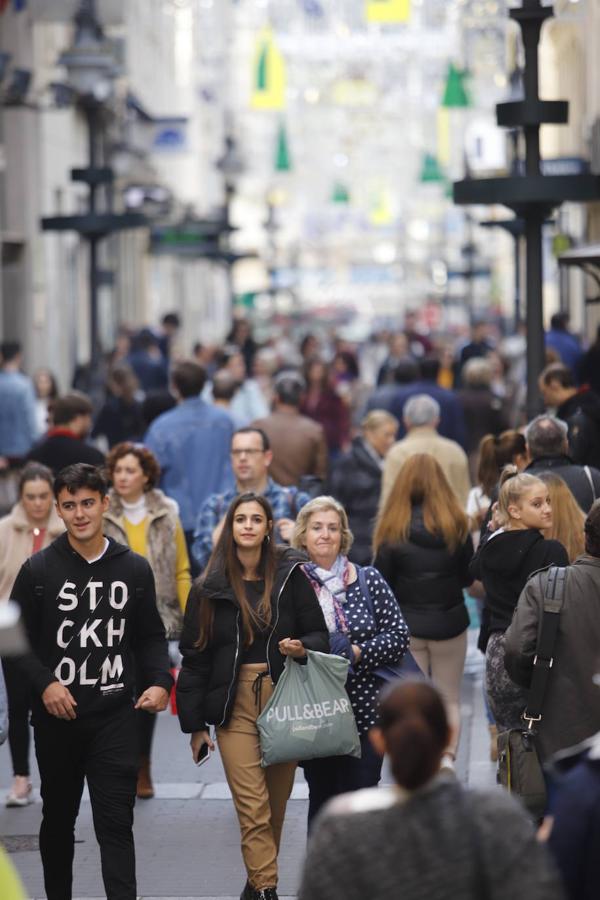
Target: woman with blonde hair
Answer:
pixel 503 562
pixel 568 519
pixel 365 626
pixel 423 549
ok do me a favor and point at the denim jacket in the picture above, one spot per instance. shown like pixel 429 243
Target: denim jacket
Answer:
pixel 191 443
pixel 18 429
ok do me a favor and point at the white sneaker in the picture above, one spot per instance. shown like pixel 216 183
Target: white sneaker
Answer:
pixel 21 792
pixel 447 764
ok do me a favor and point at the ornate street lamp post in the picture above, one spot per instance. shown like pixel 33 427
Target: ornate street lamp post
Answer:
pixel 532 195
pixel 92 68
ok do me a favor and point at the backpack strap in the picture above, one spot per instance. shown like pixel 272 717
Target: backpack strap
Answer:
pixel 37 564
pixel 543 661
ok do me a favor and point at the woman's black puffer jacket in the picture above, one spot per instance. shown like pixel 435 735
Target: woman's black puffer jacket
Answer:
pixel 207 683
pixel 428 580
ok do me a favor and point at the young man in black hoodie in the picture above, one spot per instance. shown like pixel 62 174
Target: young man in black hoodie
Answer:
pixel 89 610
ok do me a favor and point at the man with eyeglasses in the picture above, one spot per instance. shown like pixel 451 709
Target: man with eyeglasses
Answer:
pixel 251 457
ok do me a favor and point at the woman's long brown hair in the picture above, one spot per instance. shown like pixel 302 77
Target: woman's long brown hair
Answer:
pixel 225 563
pixel 568 519
pixel 495 452
pixel 421 482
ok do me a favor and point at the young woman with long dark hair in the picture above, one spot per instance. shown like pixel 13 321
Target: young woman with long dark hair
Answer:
pixel 252 607
pixel 423 549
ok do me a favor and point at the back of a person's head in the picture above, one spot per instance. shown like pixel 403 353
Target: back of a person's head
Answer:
pixel 495 452
pixel 171 320
pixel 144 340
pixel 413 721
pixel 421 410
pixel 224 385
pixel 559 373
pixel 477 373
pixel 188 378
pixel 155 403
pixel 560 321
pixel 592 530
pixel 69 406
pixel 9 350
pixel 421 482
pixel 429 368
pixel 289 388
pixel 546 436
pixel 406 371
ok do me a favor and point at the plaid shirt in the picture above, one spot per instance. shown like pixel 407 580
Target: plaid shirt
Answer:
pixel 285 503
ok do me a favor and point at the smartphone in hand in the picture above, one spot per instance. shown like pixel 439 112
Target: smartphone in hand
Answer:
pixel 203 755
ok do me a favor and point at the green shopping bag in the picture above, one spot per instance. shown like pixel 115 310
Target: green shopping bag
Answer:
pixel 309 714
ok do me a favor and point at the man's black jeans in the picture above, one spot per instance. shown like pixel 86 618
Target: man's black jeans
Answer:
pixel 103 750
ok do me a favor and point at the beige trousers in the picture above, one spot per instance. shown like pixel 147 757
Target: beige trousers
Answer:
pixel 260 795
pixel 444 662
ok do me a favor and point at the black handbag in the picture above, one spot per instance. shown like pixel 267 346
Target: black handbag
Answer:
pixel 519 767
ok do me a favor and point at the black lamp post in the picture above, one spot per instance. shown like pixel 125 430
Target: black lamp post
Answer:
pixel 91 68
pixel 532 195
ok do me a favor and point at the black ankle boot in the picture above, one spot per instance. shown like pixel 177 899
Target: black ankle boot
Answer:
pixel 248 892
pixel 265 894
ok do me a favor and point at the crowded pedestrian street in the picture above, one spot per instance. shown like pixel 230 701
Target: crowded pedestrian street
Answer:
pixel 187 836
pixel 299 449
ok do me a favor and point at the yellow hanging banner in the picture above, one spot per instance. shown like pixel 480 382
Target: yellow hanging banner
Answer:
pixel 391 11
pixel 269 74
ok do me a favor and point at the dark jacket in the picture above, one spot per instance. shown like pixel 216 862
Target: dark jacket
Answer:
pixel 571 709
pixel 60 448
pixel 207 684
pixel 452 420
pixel 483 414
pixel 90 624
pixel 428 580
pixel 589 367
pixel 355 481
pixel 440 842
pixel 504 562
pixel 575 477
pixel 581 412
pixel 333 415
pixel 575 808
pixel 120 421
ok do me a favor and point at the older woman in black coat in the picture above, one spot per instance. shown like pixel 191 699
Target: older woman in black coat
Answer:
pixel 355 479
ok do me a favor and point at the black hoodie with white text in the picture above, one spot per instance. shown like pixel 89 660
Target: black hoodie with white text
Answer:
pixel 89 624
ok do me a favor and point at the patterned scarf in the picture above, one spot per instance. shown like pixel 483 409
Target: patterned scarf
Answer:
pixel 330 588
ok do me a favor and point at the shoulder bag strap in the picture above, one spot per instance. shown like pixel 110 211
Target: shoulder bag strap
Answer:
pixel 544 656
pixel 364 589
pixel 588 474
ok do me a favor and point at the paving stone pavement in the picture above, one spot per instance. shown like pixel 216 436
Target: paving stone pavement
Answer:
pixel 187 837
